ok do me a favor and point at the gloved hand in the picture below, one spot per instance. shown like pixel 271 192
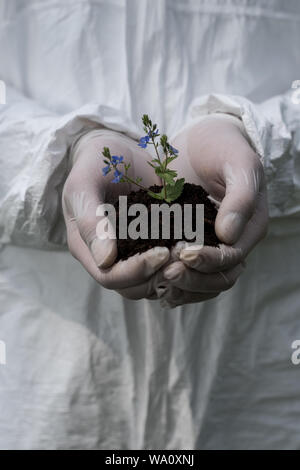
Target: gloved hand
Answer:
pixel 215 153
pixel 85 189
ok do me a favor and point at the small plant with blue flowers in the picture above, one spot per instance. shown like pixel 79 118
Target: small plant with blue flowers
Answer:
pixel 172 186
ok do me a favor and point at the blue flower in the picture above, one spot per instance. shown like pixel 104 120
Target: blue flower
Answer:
pixel 154 133
pixel 118 176
pixel 105 170
pixel 172 149
pixel 144 141
pixel 115 159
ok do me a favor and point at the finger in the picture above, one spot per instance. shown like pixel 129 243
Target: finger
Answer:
pixel 154 288
pixel 237 207
pixel 191 280
pixel 256 228
pixel 95 230
pixel 175 297
pixel 137 293
pixel 80 251
pixel 135 270
pixel 178 248
pixel 209 259
pixel 131 272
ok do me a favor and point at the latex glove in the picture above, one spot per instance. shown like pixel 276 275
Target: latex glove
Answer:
pixel 85 189
pixel 184 285
pixel 215 153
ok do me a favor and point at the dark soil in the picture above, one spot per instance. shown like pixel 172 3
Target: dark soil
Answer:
pixel 191 194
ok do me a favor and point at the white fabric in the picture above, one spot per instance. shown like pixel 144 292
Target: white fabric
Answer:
pixel 85 367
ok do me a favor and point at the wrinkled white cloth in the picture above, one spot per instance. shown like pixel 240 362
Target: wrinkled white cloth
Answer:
pixel 85 367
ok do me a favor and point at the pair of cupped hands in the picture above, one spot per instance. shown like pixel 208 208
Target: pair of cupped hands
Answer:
pixel 213 152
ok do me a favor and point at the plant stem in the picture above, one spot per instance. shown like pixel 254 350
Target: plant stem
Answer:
pixel 153 142
pixel 164 183
pixel 165 189
pixel 134 182
pixel 131 180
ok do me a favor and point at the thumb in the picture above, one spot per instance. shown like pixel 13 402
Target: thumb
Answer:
pixel 104 252
pixel 94 227
pixel 238 205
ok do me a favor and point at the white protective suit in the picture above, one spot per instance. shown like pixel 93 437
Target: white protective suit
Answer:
pixel 86 368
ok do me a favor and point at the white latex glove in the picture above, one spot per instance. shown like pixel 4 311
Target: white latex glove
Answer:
pixel 85 189
pixel 215 153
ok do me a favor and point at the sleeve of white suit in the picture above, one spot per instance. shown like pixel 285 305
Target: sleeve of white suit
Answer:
pixel 34 149
pixel 273 130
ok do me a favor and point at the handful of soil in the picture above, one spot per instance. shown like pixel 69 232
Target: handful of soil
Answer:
pixel 191 194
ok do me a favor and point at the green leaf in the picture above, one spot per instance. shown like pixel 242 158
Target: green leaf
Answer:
pixel 164 140
pixel 106 153
pixel 146 120
pixel 153 166
pixel 167 175
pixel 157 195
pixel 174 191
pixel 170 159
pixel 161 171
pixel 158 170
